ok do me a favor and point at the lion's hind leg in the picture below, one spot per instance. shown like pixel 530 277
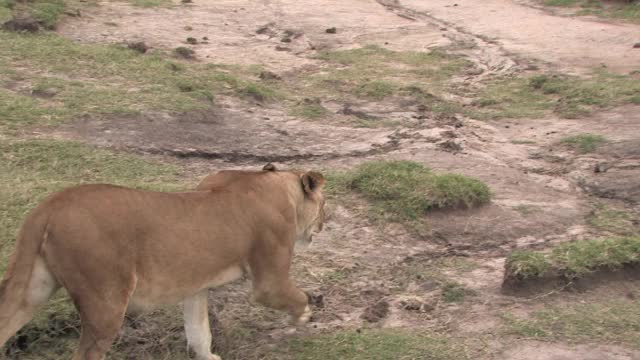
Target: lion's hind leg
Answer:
pixel 40 287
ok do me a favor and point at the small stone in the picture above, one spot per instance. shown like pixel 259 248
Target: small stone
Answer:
pixel 331 30
pixel 601 167
pixel 268 75
pixel 185 52
pixel 192 40
pixel 188 28
pixel 636 45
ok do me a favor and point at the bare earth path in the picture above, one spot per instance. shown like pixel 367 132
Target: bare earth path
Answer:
pixel 507 36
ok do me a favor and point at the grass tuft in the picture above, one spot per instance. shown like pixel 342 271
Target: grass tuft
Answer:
pixel 374 73
pixel 378 344
pixel 629 11
pixel 574 259
pixel 523 264
pixel 310 109
pixel 567 96
pixel 407 190
pixel 584 143
pixel 611 220
pixel 92 79
pixel 46 12
pixel 617 322
pixel 453 292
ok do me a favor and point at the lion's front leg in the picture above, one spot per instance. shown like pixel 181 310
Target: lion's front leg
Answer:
pixel 196 325
pixel 284 296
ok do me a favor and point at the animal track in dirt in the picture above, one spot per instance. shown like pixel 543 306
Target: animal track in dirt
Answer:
pixel 577 44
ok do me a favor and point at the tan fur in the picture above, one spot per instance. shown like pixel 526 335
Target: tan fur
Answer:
pixel 116 249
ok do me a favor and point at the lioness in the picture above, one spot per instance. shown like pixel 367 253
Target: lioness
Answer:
pixel 116 249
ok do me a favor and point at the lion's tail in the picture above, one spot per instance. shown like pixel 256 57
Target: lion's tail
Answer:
pixel 27 283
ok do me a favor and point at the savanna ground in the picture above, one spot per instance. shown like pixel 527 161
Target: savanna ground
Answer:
pixel 462 140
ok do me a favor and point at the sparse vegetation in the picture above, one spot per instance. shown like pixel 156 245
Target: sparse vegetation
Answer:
pixel 607 322
pixel 523 264
pixel 629 11
pixel 378 344
pixel 574 259
pixel 453 292
pixel 614 221
pixel 526 210
pixel 46 12
pixel 406 190
pixel 376 73
pixel 151 3
pixel 567 96
pixel 584 143
pixel 257 92
pixel 309 109
pixel 115 80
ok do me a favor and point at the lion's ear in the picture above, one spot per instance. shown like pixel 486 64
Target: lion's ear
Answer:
pixel 269 167
pixel 312 181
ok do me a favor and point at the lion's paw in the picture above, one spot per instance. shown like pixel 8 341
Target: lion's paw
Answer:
pixel 305 317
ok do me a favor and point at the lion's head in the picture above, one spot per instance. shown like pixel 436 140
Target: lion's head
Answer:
pixel 311 214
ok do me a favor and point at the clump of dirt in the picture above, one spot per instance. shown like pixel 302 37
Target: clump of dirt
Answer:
pixel 554 281
pixel 24 24
pixel 45 93
pixel 450 146
pixel 185 52
pixel 139 46
pixel 315 300
pixel 268 75
pixel 416 305
pixel 376 312
pixel 290 35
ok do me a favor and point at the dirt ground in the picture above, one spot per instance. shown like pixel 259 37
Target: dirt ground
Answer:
pixel 558 186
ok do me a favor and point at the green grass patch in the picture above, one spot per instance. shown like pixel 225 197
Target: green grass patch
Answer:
pixel 151 3
pixel 47 12
pixel 566 96
pixel 614 221
pixel 629 11
pixel 378 344
pixel 309 109
pixel 523 264
pixel 406 190
pixel 611 322
pixel 574 259
pixel 257 92
pixel 561 2
pixel 584 143
pixel 376 89
pixel 453 292
pixel 105 79
pixel 374 73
